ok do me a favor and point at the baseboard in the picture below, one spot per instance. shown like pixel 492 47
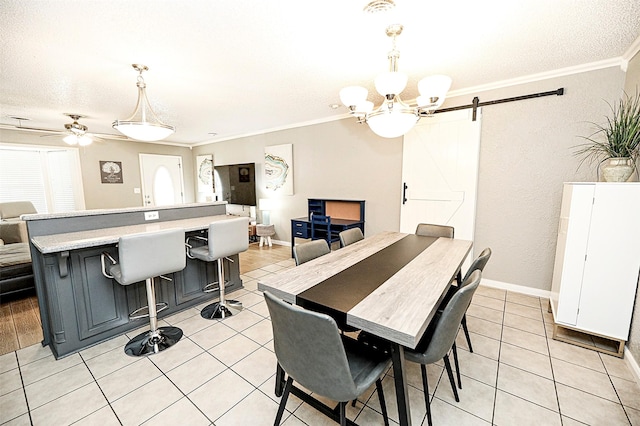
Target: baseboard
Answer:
pixel 633 364
pixel 516 288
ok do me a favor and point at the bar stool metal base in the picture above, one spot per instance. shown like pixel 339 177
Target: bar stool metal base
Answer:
pixel 151 342
pixel 222 310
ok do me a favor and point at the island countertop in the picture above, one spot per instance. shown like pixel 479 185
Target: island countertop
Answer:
pixel 55 243
pixel 98 212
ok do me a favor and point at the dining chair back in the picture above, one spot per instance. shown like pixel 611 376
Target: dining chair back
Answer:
pixel 310 349
pixel 431 230
pixel 350 236
pixel 321 229
pixel 308 251
pixel 440 336
pixel 478 264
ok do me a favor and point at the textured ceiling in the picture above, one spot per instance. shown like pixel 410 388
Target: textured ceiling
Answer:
pixel 237 67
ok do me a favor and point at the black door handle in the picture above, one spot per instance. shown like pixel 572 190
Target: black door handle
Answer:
pixel 404 193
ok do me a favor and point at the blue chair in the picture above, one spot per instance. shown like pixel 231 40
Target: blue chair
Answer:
pixel 321 229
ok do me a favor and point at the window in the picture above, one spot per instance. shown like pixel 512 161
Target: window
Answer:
pixel 48 177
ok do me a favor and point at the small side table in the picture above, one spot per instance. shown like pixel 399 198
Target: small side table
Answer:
pixel 265 232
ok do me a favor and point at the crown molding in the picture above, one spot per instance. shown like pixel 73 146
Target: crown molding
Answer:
pixel 630 53
pixel 561 72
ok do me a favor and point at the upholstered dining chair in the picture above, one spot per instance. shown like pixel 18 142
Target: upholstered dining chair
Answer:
pixel 350 236
pixel 308 251
pixel 478 264
pixel 440 336
pixel 431 230
pixel 310 349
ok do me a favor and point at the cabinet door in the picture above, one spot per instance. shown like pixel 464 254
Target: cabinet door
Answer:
pixel 190 281
pixel 612 262
pixel 573 235
pixel 100 302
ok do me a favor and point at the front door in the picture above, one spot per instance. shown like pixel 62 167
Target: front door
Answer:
pixel 162 180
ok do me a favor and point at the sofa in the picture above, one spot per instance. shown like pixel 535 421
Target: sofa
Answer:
pixel 16 273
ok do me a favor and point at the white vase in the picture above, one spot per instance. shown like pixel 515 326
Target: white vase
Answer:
pixel 618 169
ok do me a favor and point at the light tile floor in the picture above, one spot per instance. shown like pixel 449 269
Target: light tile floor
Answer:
pixel 222 373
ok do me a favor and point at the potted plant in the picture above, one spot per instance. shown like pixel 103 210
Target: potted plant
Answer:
pixel 616 144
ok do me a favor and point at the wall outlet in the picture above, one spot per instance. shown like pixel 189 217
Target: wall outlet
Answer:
pixel 136 190
pixel 151 215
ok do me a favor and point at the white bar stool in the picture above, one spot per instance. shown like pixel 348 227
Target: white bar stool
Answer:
pixel 143 257
pixel 226 237
pixel 265 232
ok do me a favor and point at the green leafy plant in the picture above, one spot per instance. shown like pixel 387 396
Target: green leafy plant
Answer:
pixel 619 137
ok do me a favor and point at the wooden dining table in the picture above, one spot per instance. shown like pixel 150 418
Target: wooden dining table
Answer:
pixel 388 285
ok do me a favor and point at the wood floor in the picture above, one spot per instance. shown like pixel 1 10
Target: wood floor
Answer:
pixel 20 319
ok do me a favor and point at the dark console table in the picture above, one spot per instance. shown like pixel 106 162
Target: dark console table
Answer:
pixel 344 214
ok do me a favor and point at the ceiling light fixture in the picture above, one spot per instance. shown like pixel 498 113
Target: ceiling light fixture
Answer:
pixel 77 135
pixel 394 118
pixel 143 124
pixel 377 6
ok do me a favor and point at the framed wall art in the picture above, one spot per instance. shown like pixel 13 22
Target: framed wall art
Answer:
pixel 278 169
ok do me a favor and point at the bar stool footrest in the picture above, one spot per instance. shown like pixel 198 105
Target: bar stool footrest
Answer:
pixel 150 342
pixel 138 315
pixel 215 286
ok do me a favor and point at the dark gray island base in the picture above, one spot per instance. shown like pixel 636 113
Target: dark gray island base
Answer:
pixel 79 306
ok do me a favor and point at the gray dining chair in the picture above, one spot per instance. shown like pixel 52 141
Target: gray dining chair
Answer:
pixel 440 336
pixel 303 253
pixel 350 236
pixel 310 349
pixel 478 264
pixel 431 230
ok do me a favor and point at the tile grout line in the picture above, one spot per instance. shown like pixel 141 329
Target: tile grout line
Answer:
pixel 553 375
pixel 495 392
pixel 101 391
pixel 614 388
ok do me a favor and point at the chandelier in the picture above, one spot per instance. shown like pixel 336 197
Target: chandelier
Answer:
pixel 394 118
pixel 143 124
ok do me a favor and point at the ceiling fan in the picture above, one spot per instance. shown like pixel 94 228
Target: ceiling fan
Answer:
pixel 75 133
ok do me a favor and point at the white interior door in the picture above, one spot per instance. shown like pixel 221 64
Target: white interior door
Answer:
pixel 162 180
pixel 440 171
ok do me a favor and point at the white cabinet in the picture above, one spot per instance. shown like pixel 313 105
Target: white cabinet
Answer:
pixel 597 258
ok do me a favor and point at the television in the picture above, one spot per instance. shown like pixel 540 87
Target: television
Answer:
pixel 236 183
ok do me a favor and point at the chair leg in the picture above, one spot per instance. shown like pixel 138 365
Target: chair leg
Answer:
pixel 279 380
pixel 283 401
pixel 383 405
pixel 425 385
pixel 455 361
pixel 466 332
pixel 447 364
pixel 343 413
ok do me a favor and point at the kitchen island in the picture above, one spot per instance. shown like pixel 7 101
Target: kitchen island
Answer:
pixel 79 306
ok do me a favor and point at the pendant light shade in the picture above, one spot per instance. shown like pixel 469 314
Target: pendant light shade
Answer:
pixel 143 125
